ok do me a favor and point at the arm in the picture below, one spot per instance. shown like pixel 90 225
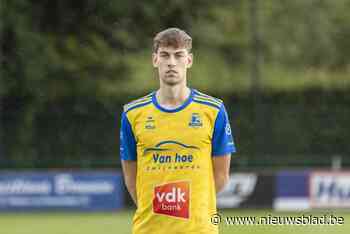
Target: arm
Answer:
pixel 221 167
pixel 130 172
pixel 223 146
pixel 128 156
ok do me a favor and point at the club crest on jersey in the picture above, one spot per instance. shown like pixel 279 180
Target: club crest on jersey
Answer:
pixel 150 123
pixel 195 121
pixel 172 199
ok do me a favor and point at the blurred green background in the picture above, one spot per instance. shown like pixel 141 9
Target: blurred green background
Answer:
pixel 67 67
pixel 120 223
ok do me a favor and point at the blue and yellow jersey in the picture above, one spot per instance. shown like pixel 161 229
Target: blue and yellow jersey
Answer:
pixel 174 149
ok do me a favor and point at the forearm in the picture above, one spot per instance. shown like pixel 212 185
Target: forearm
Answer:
pixel 130 172
pixel 132 191
pixel 220 182
pixel 221 169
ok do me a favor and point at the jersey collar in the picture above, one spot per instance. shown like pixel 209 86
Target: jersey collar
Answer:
pixel 186 103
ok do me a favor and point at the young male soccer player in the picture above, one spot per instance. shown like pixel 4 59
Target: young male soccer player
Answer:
pixel 175 147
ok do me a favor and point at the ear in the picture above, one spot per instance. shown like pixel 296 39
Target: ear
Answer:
pixel 189 60
pixel 154 60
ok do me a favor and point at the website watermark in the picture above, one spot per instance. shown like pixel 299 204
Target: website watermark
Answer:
pixel 304 219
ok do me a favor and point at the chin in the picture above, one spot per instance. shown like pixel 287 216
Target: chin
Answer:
pixel 171 81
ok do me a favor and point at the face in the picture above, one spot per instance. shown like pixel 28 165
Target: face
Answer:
pixel 172 64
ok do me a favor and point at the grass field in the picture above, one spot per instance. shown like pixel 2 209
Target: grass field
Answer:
pixel 120 223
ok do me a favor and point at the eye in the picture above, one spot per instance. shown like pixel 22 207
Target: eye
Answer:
pixel 164 55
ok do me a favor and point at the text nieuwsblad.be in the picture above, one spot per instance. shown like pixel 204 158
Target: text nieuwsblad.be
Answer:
pixel 284 220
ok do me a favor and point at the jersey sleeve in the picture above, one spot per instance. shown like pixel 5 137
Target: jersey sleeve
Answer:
pixel 222 140
pixel 127 140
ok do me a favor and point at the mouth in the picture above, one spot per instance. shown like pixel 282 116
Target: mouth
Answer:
pixel 171 72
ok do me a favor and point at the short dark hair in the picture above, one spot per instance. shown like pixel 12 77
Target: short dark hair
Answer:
pixel 172 37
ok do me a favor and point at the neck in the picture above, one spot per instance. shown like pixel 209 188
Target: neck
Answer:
pixel 172 96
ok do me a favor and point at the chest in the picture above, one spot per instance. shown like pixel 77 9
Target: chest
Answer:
pixel 186 128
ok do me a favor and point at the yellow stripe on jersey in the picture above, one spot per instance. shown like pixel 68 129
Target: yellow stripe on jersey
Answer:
pixel 135 105
pixel 203 99
pixel 197 93
pixel 137 102
pixel 209 99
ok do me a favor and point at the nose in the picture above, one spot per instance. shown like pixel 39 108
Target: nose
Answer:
pixel 171 61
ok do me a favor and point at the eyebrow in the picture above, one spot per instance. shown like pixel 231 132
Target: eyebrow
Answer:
pixel 177 52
